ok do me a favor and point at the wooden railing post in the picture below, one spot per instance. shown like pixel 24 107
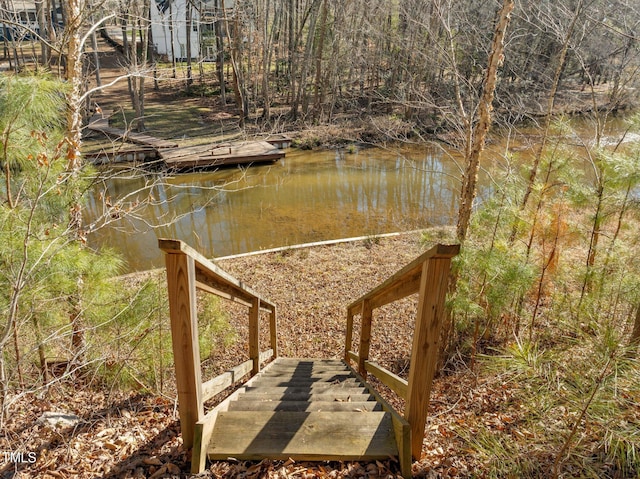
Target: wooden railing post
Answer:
pixel 365 337
pixel 254 335
pixel 424 353
pixel 348 336
pixel 181 284
pixel 273 330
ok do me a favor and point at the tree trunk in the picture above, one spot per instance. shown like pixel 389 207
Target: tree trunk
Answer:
pixel 267 52
pixel 173 42
pixel 333 68
pixel 189 26
pixel 220 53
pixel 593 243
pixel 470 178
pixel 151 54
pixel 292 41
pixel 73 14
pixel 42 356
pixel 238 77
pixel 300 93
pixel 41 14
pixel 134 79
pixel 145 30
pixel 78 340
pixel 319 87
pixel 96 58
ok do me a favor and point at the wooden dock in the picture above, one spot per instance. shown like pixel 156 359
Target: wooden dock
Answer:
pixel 185 158
pixel 99 123
pixel 136 155
pixel 134 137
pixel 221 155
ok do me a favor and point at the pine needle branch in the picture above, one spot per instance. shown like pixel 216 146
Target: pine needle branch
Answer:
pixel 574 429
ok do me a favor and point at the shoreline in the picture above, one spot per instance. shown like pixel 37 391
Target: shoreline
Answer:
pixel 372 238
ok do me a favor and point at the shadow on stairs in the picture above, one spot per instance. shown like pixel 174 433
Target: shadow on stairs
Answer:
pixel 307 409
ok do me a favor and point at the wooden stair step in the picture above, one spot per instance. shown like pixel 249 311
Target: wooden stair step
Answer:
pixel 307 370
pixel 304 406
pixel 255 435
pixel 301 362
pixel 333 396
pixel 328 389
pixel 317 376
pixel 301 383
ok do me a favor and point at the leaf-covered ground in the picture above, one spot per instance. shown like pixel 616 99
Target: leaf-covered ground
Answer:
pixel 132 435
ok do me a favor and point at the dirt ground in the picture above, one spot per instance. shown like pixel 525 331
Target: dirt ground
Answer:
pixel 200 117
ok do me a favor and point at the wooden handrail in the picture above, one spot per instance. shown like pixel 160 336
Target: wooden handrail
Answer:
pixel 188 271
pixel 405 281
pixel 212 278
pixel 428 276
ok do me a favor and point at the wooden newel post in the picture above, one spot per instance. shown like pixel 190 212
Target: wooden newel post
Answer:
pixel 348 336
pixel 181 281
pixel 424 353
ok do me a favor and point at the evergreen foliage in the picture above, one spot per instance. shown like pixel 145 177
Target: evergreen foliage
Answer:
pixel 570 277
pixel 48 278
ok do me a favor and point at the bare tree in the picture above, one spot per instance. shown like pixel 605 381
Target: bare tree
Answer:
pixel 470 177
pixel 566 38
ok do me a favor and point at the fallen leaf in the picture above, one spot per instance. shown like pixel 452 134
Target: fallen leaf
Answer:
pixel 152 461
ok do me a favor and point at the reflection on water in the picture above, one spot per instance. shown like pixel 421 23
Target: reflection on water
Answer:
pixel 307 196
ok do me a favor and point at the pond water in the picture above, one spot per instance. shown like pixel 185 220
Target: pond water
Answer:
pixel 307 196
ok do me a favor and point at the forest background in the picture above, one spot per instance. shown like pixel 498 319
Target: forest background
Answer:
pixel 541 342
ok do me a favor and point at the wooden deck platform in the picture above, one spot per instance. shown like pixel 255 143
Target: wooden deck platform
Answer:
pixel 136 155
pixel 185 158
pixel 306 409
pixel 221 154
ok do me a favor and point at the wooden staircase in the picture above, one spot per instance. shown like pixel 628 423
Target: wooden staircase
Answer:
pixel 303 409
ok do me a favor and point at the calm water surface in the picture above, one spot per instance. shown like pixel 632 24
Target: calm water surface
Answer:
pixel 307 196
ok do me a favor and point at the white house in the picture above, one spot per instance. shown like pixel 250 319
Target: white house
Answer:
pixel 18 12
pixel 169 21
pixel 23 13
